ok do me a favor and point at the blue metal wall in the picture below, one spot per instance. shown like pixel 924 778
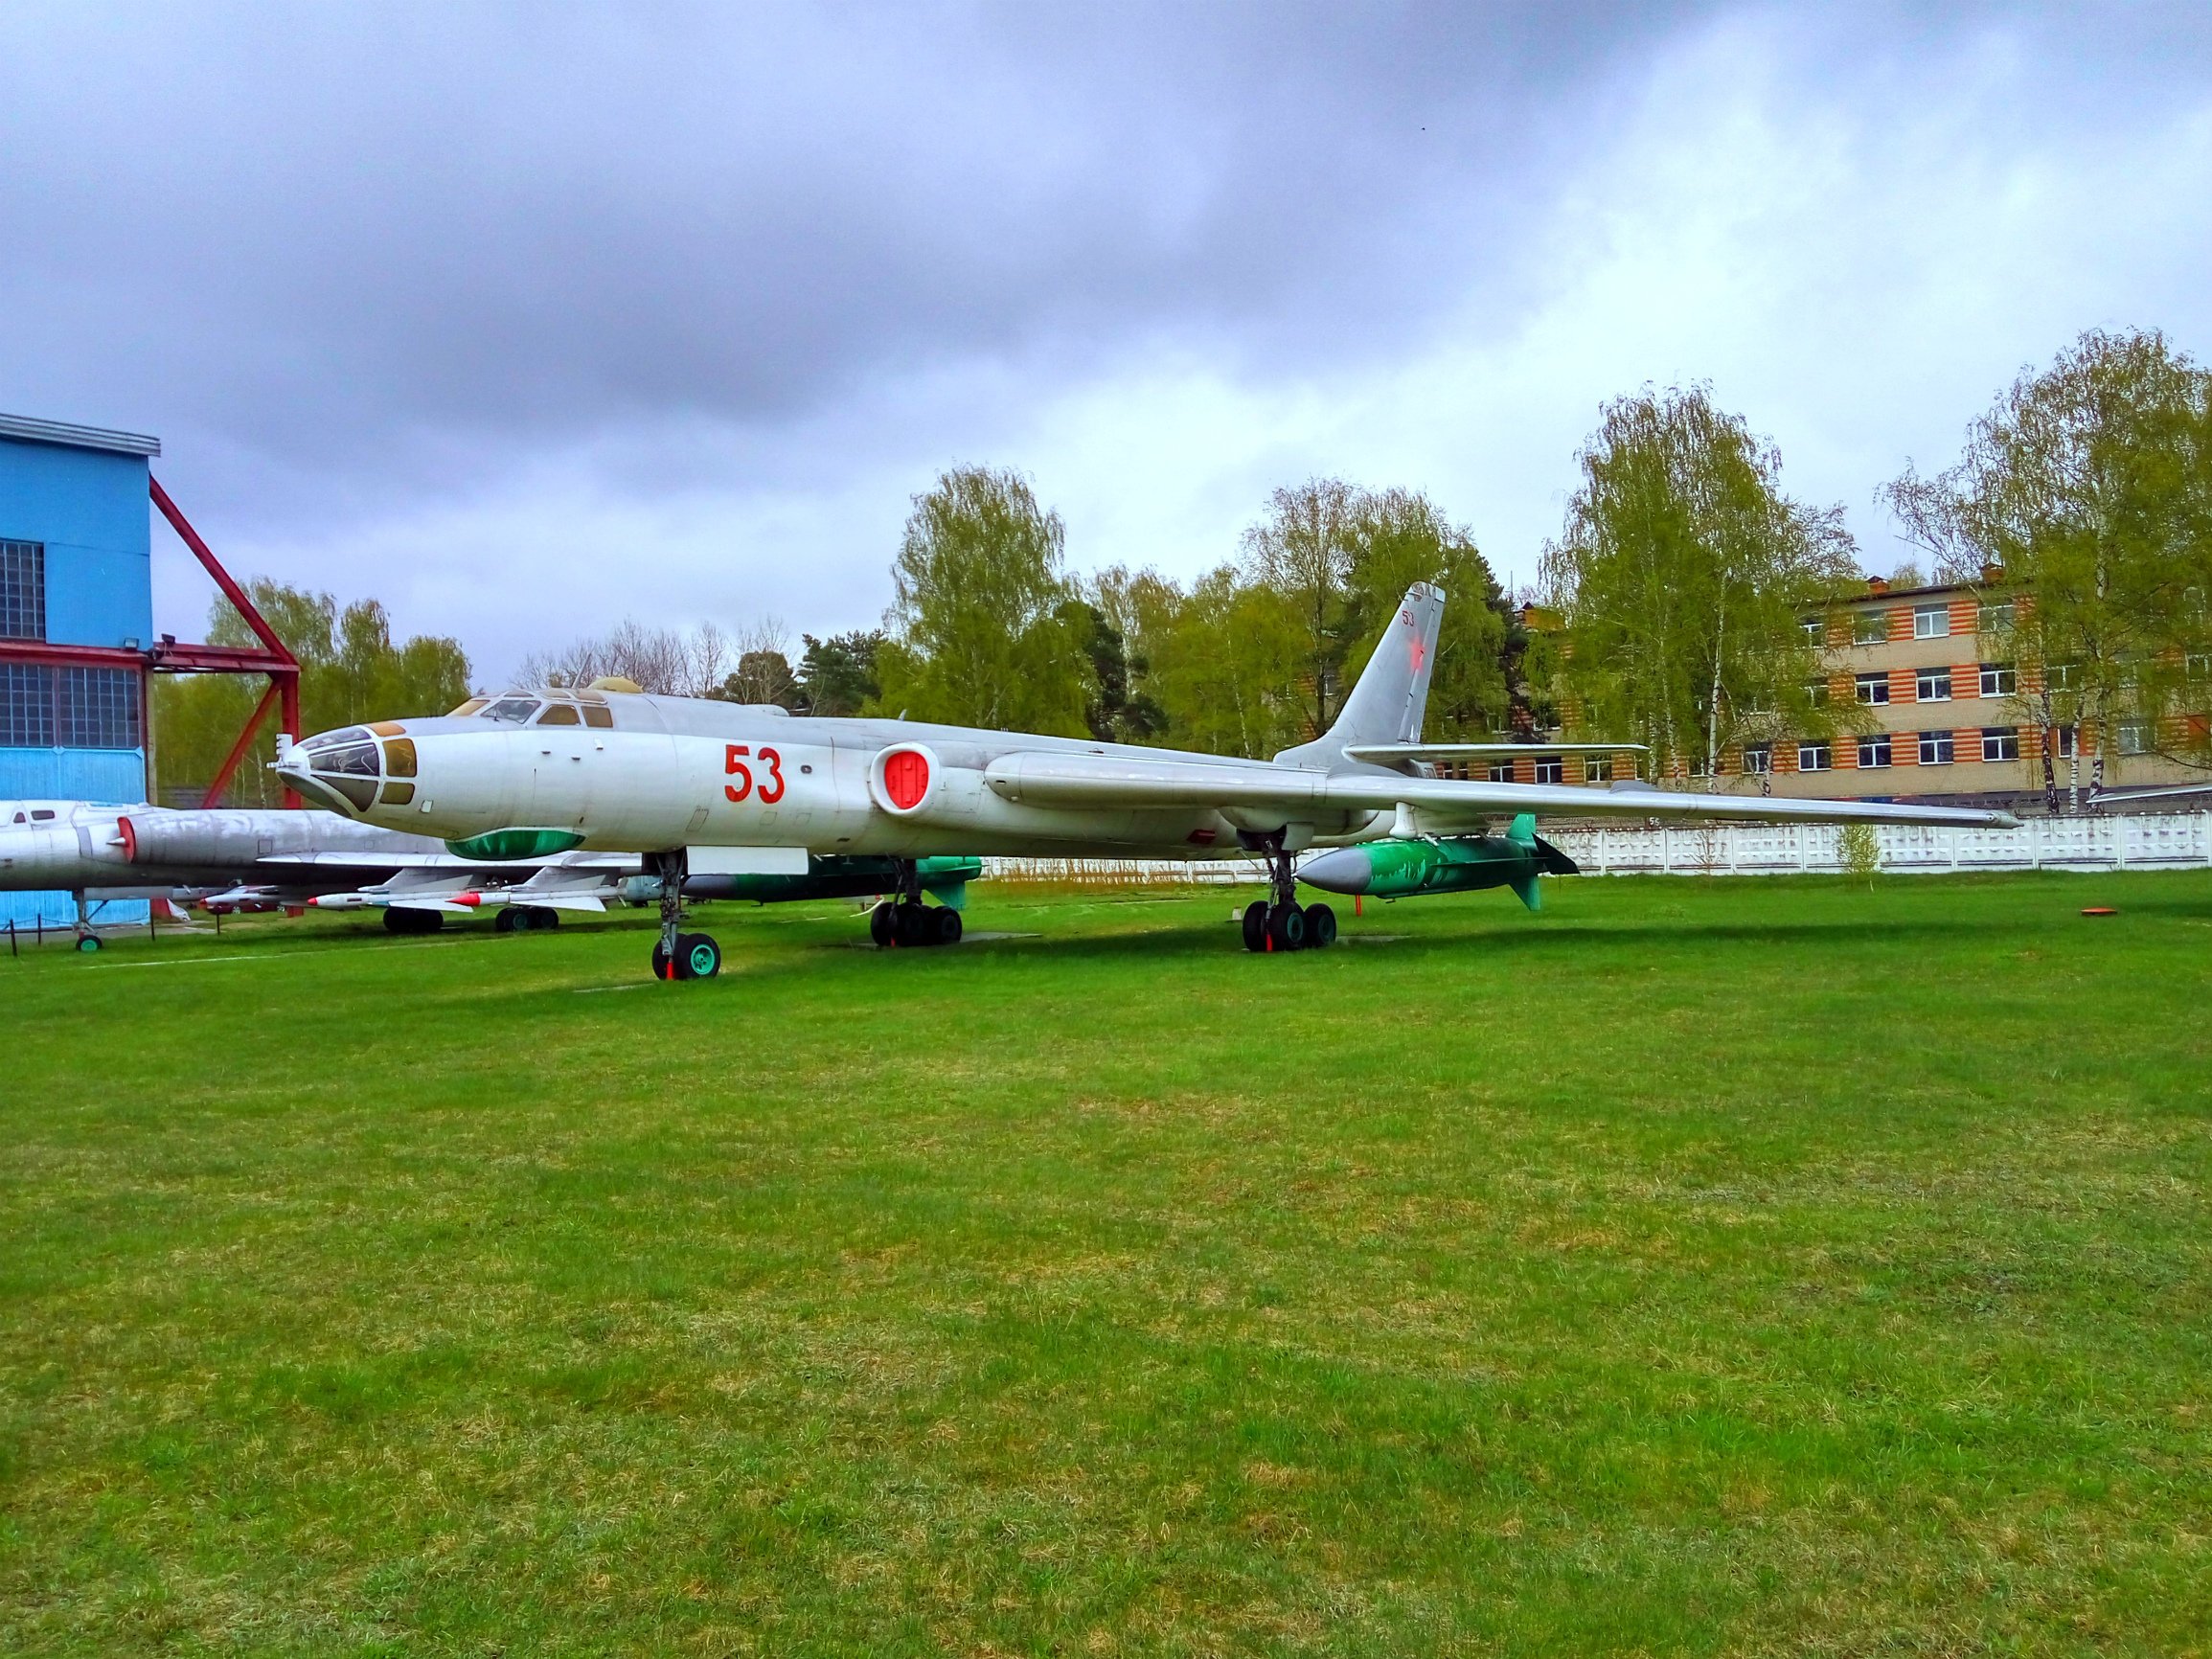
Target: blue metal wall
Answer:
pixel 89 506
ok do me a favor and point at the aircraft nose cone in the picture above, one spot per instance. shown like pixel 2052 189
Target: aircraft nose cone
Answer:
pixel 1346 870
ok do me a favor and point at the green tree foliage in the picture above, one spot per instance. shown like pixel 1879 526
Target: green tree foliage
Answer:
pixel 1220 662
pixel 1113 712
pixel 2089 487
pixel 350 671
pixel 1684 576
pixel 1399 537
pixel 762 676
pixel 838 674
pixel 982 634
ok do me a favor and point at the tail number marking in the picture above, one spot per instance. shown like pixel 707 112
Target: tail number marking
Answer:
pixel 733 764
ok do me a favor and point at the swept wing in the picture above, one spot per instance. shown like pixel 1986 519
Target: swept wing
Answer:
pixel 1045 778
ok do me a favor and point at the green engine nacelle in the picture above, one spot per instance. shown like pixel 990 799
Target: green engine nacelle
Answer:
pixel 1450 864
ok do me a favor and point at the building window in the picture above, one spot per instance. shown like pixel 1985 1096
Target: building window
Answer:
pixel 1994 618
pixel 25 706
pixel 1501 771
pixel 1813 757
pixel 1758 760
pixel 98 709
pixel 2062 742
pixel 2062 676
pixel 2000 743
pixel 1816 629
pixel 22 590
pixel 1874 751
pixel 1869 627
pixel 1550 770
pixel 1598 769
pixel 2134 737
pixel 1931 622
pixel 1874 687
pixel 1932 685
pixel 1935 748
pixel 1815 693
pixel 1998 680
pixel 43 707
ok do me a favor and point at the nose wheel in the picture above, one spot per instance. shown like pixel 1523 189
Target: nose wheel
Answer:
pixel 677 954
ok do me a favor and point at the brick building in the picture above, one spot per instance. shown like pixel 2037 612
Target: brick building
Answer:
pixel 1928 671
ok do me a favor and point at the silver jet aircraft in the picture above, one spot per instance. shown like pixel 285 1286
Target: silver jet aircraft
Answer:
pixel 701 787
pixel 250 859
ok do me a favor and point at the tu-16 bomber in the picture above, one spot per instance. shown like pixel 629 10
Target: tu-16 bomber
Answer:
pixel 698 788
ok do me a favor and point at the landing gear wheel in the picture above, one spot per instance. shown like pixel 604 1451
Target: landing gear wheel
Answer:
pixel 660 961
pixel 883 925
pixel 88 943
pixel 1286 927
pixel 410 921
pixel 1320 928
pixel 535 918
pixel 1256 925
pixel 913 927
pixel 698 957
pixel 946 924
pixel 508 922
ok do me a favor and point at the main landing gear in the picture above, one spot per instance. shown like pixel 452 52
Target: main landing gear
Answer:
pixel 1279 922
pixel 905 922
pixel 677 954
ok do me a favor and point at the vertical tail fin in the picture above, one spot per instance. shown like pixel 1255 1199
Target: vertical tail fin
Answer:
pixel 1386 704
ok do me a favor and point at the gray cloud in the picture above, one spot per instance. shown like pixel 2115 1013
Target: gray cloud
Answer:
pixel 378 277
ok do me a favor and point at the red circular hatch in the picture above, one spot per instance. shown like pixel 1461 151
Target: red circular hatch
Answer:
pixel 907 779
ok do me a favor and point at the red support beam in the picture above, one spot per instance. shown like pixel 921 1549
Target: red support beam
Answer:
pixel 222 779
pixel 275 660
pixel 231 590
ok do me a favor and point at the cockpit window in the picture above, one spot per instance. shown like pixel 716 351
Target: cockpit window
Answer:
pixel 398 757
pixel 467 708
pixel 38 815
pixel 598 714
pixel 558 714
pixel 358 759
pixel 519 710
pixel 336 739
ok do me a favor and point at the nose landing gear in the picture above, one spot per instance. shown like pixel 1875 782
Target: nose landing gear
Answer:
pixel 677 954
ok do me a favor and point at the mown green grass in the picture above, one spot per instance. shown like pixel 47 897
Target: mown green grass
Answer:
pixel 1761 1266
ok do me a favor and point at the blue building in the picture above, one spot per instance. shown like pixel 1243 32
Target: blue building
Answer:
pixel 75 622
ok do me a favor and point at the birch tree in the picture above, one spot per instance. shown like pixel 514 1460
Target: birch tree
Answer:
pixel 1684 577
pixel 981 632
pixel 2087 488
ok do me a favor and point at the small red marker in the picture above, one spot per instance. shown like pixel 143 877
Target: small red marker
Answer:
pixel 2100 910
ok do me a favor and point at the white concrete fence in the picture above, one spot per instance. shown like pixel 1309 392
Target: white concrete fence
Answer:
pixel 2136 841
pixel 2115 841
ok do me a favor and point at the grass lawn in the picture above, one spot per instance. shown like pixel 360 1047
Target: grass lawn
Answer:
pixel 1700 1266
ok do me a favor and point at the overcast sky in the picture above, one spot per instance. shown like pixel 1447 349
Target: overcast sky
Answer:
pixel 525 323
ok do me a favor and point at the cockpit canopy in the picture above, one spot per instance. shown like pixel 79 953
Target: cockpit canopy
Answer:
pixel 557 706
pixel 363 765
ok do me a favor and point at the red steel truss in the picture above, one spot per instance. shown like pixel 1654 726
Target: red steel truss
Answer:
pixel 271 658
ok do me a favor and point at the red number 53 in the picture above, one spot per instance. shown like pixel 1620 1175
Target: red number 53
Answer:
pixel 733 763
